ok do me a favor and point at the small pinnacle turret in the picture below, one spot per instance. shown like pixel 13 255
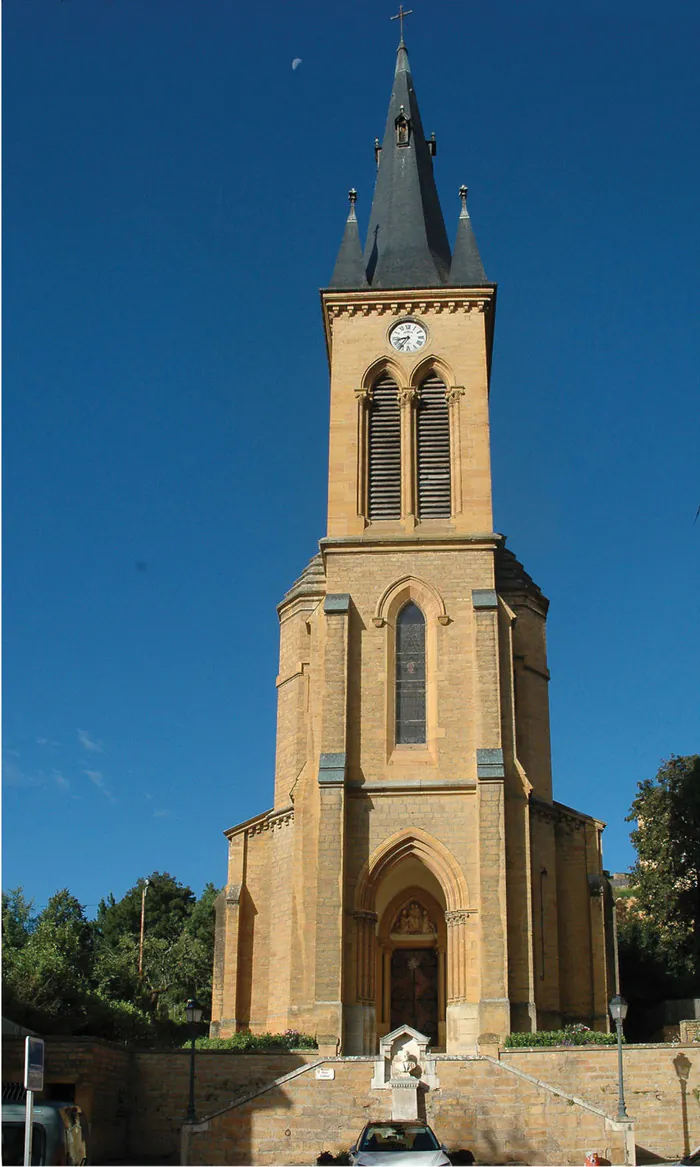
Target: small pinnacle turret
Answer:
pixel 467 268
pixel 349 270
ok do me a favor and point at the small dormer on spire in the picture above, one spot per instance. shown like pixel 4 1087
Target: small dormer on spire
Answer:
pixel 467 269
pixel 349 271
pixel 403 128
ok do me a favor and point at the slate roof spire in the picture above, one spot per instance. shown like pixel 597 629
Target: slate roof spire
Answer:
pixel 349 270
pixel 467 268
pixel 407 245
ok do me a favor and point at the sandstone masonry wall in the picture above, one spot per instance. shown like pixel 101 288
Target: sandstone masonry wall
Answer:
pixel 667 1116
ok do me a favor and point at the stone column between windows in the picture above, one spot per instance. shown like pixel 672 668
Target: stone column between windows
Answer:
pixel 364 400
pixel 331 826
pixel 452 397
pixel 406 399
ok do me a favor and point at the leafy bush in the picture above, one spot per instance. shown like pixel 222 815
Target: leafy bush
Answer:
pixel 569 1035
pixel 246 1042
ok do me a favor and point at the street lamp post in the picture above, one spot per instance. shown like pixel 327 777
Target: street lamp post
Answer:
pixel 193 1012
pixel 618 1012
pixel 144 889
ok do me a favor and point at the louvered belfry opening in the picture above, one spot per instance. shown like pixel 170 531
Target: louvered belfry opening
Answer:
pixel 433 438
pixel 410 676
pixel 384 452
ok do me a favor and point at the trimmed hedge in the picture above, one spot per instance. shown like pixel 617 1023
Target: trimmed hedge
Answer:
pixel 246 1042
pixel 570 1035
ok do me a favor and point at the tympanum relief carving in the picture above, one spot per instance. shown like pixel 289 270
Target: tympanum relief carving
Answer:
pixel 413 920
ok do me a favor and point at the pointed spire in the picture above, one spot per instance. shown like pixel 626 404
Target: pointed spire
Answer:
pixel 349 270
pixel 467 269
pixel 407 245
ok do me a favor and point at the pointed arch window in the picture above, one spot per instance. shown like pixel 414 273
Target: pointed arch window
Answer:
pixel 410 676
pixel 433 441
pixel 384 452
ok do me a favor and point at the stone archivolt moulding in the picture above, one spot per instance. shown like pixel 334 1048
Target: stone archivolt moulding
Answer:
pixel 415 589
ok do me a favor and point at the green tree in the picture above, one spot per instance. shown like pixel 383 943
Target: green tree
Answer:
pixel 665 880
pixel 201 928
pixel 168 906
pixel 48 976
pixel 17 921
pixel 178 949
pixel 64 974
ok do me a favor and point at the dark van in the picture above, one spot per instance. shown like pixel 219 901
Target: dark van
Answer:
pixel 59 1134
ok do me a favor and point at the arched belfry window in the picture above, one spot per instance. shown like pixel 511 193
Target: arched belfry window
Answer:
pixel 410 676
pixel 384 452
pixel 433 440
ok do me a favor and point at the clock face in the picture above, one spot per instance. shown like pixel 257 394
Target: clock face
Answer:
pixel 408 336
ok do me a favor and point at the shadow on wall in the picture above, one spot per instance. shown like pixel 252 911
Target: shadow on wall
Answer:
pixel 244 1135
pixel 645 1157
pixel 487 1148
pixel 683 1065
pixel 295 1119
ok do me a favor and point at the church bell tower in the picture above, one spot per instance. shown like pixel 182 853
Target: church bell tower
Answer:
pixel 414 868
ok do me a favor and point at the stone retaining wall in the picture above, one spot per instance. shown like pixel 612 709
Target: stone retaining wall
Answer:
pixel 99 1072
pixel 665 1108
pixel 499 1115
pixel 160 1090
pixel 136 1101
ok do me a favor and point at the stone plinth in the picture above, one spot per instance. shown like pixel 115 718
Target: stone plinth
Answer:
pixel 404 1098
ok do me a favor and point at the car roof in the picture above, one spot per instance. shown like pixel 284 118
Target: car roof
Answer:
pixel 397 1122
pixel 44 1115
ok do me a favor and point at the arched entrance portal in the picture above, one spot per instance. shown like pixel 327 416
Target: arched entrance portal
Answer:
pixel 411 982
pixel 410 894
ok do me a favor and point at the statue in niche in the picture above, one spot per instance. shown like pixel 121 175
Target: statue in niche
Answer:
pixel 403 1064
pixel 413 920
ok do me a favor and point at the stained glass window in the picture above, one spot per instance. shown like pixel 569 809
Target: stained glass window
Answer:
pixel 410 676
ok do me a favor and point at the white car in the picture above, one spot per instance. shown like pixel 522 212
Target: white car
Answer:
pixel 392 1144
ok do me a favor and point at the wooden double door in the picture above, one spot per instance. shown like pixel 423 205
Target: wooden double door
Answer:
pixel 414 990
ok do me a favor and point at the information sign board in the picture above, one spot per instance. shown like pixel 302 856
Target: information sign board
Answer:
pixel 34 1063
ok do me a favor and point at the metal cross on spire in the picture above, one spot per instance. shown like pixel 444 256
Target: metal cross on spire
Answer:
pixel 400 17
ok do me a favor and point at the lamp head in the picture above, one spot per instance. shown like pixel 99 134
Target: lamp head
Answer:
pixel 618 1008
pixel 193 1011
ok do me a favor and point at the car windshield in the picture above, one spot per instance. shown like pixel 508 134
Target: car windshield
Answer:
pixel 401 1137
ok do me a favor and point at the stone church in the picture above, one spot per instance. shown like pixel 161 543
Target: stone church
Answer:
pixel 414 867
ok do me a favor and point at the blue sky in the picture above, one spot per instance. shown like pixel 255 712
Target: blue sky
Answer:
pixel 174 195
